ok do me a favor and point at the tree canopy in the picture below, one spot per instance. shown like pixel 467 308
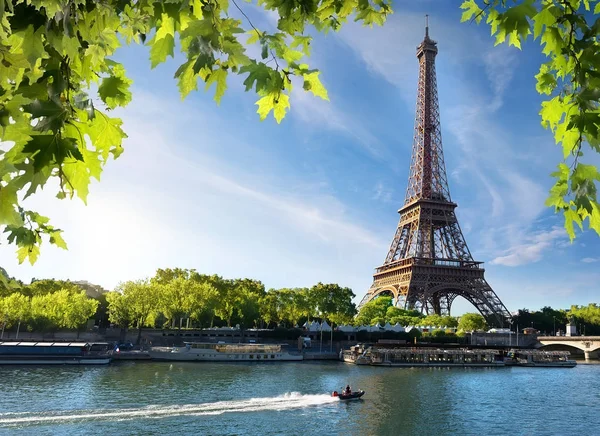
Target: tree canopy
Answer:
pixel 470 322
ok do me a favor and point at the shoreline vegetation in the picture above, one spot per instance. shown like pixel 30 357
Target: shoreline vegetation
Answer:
pixel 183 299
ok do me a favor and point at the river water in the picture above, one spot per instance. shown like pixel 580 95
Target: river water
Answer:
pixel 293 398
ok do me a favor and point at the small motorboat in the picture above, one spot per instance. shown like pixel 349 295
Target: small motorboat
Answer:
pixel 351 396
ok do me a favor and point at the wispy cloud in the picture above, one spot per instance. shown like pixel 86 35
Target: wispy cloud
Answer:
pixel 590 259
pixel 318 114
pixel 532 250
pixel 382 193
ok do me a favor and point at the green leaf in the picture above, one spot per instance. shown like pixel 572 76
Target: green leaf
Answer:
pixel 218 76
pixel 161 49
pixel 8 200
pixel 259 73
pixel 114 90
pixel 163 43
pixel 76 178
pixel 472 10
pixel 187 80
pixel 552 41
pixel 57 239
pixel 29 44
pixel 595 215
pixel 313 84
pixel 554 110
pixel 305 41
pixel 546 81
pixel 52 114
pixel 571 216
pixel 51 149
pixel 106 134
pixel 29 251
pixel 597 8
pixel 544 18
pixel 278 102
pixel 254 37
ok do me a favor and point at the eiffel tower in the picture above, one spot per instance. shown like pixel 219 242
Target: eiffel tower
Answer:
pixel 429 264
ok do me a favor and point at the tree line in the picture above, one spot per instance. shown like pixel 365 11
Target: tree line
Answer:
pixel 172 298
pixel 183 298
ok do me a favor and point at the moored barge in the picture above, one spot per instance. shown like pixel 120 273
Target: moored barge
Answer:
pixel 54 353
pixel 540 358
pixel 433 357
pixel 211 352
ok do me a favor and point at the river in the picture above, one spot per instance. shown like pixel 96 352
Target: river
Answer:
pixel 293 398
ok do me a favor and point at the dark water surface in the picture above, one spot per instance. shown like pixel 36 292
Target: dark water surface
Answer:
pixel 152 398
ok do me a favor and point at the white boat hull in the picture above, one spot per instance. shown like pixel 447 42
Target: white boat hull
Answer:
pixel 182 354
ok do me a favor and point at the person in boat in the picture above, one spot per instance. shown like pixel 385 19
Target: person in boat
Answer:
pixel 347 391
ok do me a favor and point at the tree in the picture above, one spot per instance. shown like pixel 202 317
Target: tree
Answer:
pixel 587 317
pixel 470 322
pixel 8 284
pixel 204 298
pixel 43 314
pixel 3 315
pixel 174 301
pixel 54 51
pixel 73 309
pixel 572 80
pixel 141 298
pixel 405 320
pixel 269 307
pixel 334 303
pixel 433 320
pixel 17 309
pixel 247 294
pixel 118 309
pixel 377 308
pixel 49 286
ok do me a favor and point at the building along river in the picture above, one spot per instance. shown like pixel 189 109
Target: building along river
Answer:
pixel 293 398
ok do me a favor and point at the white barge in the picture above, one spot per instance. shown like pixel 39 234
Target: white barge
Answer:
pixel 211 352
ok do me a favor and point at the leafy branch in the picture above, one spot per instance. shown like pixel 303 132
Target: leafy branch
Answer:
pixel 54 53
pixel 572 78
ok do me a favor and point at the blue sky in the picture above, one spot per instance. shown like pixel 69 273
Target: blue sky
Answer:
pixel 315 198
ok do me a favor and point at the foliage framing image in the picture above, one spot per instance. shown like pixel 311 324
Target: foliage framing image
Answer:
pixel 55 53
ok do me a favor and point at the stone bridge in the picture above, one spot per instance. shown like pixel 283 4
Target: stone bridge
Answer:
pixel 588 344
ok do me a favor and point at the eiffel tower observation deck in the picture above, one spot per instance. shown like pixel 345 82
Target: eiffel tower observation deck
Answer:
pixel 429 264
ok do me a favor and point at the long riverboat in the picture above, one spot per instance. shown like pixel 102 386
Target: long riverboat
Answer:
pixel 540 358
pixel 211 352
pixel 54 353
pixel 415 357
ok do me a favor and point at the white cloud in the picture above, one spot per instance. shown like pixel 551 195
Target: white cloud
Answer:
pixel 382 193
pixel 590 259
pixel 170 201
pixel 319 113
pixel 532 250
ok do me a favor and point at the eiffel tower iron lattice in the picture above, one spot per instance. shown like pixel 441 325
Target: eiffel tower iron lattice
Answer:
pixel 429 264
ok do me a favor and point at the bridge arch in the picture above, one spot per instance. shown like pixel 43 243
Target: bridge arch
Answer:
pixel 386 290
pixel 581 344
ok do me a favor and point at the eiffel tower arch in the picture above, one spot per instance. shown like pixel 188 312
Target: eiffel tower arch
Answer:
pixel 429 263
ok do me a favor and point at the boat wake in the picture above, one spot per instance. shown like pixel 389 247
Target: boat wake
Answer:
pixel 292 400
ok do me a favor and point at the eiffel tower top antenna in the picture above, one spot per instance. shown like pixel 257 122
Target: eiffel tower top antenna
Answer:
pixel 426 26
